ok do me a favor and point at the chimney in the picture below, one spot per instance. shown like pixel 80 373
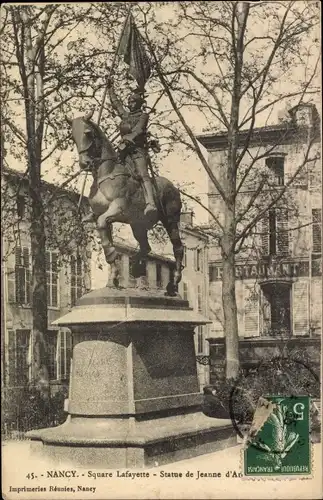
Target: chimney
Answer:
pixel 187 218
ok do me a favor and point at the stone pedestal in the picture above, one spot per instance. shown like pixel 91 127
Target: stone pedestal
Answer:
pixel 134 399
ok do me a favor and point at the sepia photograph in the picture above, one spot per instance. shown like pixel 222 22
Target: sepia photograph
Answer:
pixel 161 250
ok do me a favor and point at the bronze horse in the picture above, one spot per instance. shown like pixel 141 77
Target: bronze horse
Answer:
pixel 116 196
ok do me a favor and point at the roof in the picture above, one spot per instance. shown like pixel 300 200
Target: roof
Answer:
pixel 23 176
pixel 127 247
pixel 284 133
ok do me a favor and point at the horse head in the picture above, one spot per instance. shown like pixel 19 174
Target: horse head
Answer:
pixel 88 140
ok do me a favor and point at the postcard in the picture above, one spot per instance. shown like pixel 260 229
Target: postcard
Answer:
pixel 161 289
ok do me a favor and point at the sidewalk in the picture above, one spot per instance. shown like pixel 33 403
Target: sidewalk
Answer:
pixel 201 477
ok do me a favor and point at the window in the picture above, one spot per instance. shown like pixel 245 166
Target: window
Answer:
pixel 159 282
pixel 52 336
pixel 77 272
pixel 199 259
pixel 59 354
pixel 276 167
pixel 200 340
pixel 185 291
pixel 52 278
pixel 199 299
pixel 21 206
pixel 282 246
pixel 275 310
pixel 300 307
pixel 22 276
pixel 184 256
pixel 317 230
pixel 136 269
pixel 274 232
pixel 65 354
pixel 11 285
pixel 251 311
pixel 18 350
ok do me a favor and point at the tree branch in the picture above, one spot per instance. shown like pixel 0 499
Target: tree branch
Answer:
pixel 216 220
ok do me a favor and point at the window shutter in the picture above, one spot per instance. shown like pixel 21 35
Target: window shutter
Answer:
pixel 62 355
pixel 52 354
pixel 18 256
pixel 11 373
pixel 11 285
pixel 200 340
pixel 22 275
pixel 300 308
pixel 69 350
pixel 26 257
pixel 282 231
pixel 184 256
pixel 199 298
pixel 47 262
pixel 199 259
pixel 251 310
pixel 52 278
pixel 316 310
pixel 195 259
pixel 264 232
pixel 19 276
pixel 22 354
pixel 73 284
pixel 59 356
pixel 265 314
pixel 216 309
pixel 28 286
pixel 317 230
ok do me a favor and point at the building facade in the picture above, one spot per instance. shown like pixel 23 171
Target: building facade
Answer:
pixel 68 279
pixel 279 265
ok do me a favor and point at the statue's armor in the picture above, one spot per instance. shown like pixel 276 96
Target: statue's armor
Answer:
pixel 139 149
pixel 135 149
pixel 127 124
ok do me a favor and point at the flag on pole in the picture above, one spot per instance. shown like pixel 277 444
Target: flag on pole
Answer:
pixel 132 49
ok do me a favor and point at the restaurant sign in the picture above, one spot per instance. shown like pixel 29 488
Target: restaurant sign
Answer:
pixel 265 270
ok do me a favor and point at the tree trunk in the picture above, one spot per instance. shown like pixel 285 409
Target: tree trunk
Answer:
pixel 239 22
pixel 34 126
pixel 40 377
pixel 229 298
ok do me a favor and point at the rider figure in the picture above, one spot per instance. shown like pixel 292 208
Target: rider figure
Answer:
pixel 133 131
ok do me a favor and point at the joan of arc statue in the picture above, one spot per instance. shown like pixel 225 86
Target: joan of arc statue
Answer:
pixel 133 145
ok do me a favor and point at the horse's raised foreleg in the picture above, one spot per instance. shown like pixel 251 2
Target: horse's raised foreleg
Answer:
pixel 172 229
pixel 110 252
pixel 113 214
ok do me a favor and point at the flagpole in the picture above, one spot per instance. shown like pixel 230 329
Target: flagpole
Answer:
pixel 104 98
pixel 111 69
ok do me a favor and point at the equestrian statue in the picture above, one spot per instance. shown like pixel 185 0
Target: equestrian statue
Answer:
pixel 122 189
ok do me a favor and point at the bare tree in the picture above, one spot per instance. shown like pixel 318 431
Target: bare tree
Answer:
pixel 232 64
pixel 49 67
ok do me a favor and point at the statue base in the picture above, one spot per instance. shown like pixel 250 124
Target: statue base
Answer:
pixel 134 398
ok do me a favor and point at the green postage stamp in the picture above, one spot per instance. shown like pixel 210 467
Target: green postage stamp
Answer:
pixel 278 442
